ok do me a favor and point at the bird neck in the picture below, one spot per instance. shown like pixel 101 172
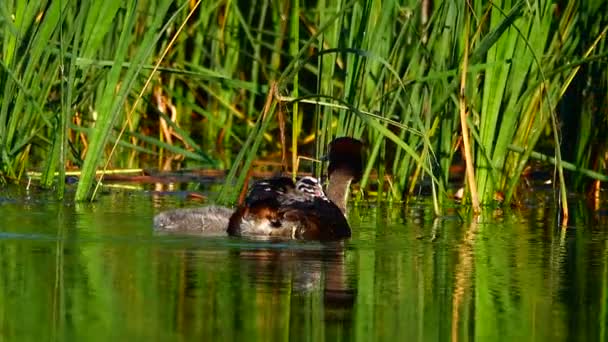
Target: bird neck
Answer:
pixel 338 188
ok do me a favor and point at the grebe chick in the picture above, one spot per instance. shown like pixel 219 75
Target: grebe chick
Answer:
pixel 306 188
pixel 210 220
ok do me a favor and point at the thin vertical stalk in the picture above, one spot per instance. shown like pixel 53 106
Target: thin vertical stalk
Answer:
pixel 294 48
pixel 463 122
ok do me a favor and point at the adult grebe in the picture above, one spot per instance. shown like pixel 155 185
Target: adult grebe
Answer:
pixel 276 208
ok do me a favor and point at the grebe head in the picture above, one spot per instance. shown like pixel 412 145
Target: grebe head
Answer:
pixel 310 186
pixel 345 166
pixel 346 158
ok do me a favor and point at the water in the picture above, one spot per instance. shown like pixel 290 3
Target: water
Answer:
pixel 74 272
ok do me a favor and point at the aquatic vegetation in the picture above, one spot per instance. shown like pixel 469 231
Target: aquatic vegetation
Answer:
pixel 180 85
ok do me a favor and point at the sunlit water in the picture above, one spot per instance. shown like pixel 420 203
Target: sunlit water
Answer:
pixel 99 272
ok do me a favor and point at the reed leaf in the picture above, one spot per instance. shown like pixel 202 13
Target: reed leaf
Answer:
pixel 110 100
pixel 247 80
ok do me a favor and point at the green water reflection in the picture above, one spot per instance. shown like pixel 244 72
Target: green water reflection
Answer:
pixel 97 271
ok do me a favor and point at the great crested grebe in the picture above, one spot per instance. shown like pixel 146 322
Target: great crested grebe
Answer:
pixel 277 207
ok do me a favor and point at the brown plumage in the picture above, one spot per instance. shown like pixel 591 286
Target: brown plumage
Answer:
pixel 277 207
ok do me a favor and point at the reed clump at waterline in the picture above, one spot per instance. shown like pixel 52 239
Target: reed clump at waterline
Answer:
pixel 490 86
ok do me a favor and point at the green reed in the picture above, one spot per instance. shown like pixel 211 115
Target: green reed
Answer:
pixel 246 81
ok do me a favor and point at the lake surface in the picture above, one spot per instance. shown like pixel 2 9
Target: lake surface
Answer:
pixel 75 272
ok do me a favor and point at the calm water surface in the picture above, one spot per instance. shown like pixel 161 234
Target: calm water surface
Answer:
pixel 98 272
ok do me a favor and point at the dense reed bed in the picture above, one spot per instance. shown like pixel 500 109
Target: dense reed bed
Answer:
pixel 189 84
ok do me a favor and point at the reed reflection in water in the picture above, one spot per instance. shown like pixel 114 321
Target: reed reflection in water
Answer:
pixel 98 272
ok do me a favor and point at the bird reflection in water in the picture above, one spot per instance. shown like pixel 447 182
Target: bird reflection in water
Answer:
pixel 272 287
